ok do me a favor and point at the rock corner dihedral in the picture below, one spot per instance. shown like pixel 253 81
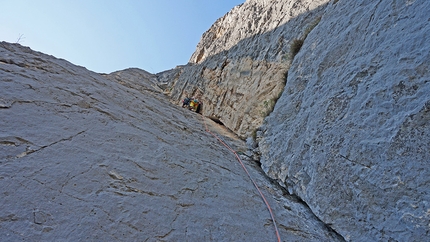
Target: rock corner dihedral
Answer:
pixel 337 93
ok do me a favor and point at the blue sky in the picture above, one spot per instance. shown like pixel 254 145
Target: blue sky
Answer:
pixel 109 35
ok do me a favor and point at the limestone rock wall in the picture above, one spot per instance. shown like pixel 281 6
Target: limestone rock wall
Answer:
pixel 239 67
pixel 350 134
pixel 87 157
pixel 137 79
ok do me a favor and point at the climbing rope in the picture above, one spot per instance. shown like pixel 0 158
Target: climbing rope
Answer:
pixel 249 175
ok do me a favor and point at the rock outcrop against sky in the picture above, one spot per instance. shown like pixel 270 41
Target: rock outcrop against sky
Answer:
pixel 85 156
pixel 89 157
pixel 239 67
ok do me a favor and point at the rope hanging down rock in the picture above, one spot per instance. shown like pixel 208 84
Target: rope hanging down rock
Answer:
pixel 249 175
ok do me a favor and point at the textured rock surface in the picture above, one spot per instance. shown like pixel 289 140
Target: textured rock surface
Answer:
pixel 351 133
pixel 85 157
pixel 105 157
pixel 239 67
pixel 136 79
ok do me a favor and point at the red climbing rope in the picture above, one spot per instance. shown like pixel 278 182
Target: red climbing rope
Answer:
pixel 249 175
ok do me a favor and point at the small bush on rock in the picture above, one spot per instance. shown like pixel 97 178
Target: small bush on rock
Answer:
pixel 295 47
pixel 298 43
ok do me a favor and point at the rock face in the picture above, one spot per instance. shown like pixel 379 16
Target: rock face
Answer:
pixel 350 134
pixel 240 65
pixel 90 157
pixel 86 156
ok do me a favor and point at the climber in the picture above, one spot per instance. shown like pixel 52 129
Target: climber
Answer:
pixel 194 104
pixel 186 102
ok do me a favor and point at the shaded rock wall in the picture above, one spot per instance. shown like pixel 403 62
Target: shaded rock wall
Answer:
pixel 239 67
pixel 351 133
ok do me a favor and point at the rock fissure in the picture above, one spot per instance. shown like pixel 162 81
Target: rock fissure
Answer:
pixel 30 150
pixel 13 141
pixel 355 162
pixel 298 199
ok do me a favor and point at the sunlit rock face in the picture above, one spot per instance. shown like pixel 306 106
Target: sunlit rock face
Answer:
pixel 350 134
pixel 107 157
pixel 92 157
pixel 239 67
